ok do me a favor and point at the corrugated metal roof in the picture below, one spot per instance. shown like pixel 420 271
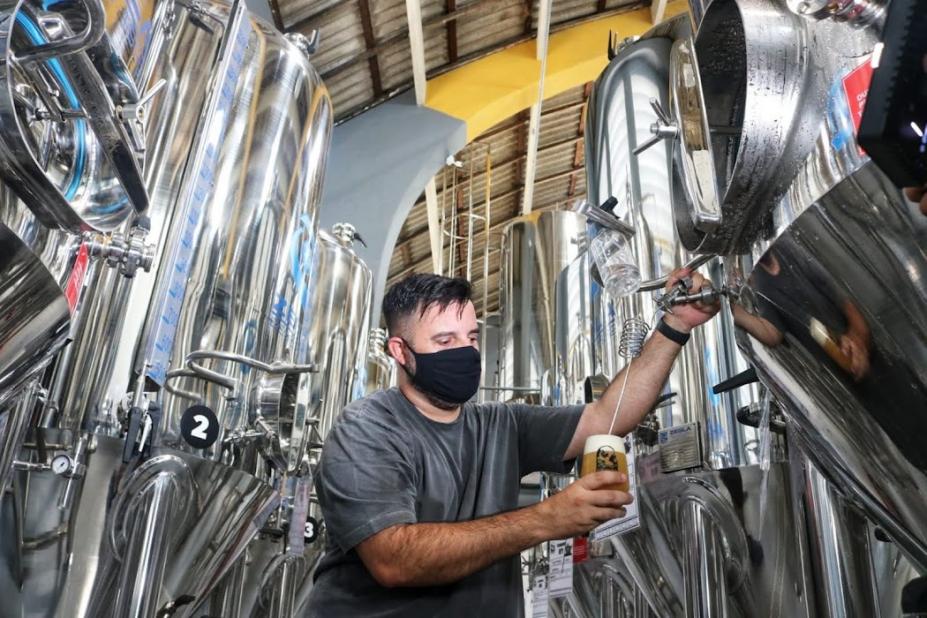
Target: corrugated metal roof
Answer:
pixel 364 56
pixel 559 182
pixel 364 59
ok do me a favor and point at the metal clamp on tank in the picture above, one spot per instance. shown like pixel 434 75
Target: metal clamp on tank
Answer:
pixel 604 216
pixel 73 129
pixel 127 252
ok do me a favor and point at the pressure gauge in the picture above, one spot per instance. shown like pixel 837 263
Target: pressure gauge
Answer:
pixel 62 464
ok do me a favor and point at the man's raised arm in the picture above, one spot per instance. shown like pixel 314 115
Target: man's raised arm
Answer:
pixel 649 373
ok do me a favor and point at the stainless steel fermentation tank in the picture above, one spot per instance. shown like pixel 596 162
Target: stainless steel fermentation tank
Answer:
pixel 602 587
pixel 336 328
pixel 341 347
pixel 36 308
pixel 833 318
pixel 274 577
pixel 381 370
pixel 858 570
pixel 720 537
pixel 36 313
pixel 70 164
pixel 832 294
pixel 536 248
pixel 826 260
pixel 618 123
pixel 236 141
pixel 235 344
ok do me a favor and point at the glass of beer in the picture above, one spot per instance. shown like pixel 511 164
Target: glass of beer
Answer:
pixel 605 452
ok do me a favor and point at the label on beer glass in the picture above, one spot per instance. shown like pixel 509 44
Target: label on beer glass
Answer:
pixel 604 452
pixel 631 520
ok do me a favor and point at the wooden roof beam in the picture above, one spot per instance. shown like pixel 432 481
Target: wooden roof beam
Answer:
pixel 465 59
pixel 370 42
pixel 450 7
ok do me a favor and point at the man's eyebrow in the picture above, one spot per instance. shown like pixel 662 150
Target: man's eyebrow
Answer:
pixel 448 333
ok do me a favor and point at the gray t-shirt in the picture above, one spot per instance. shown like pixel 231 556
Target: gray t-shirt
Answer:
pixel 385 463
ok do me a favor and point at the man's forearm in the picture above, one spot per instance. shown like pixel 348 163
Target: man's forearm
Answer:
pixel 432 554
pixel 648 374
pixel 645 382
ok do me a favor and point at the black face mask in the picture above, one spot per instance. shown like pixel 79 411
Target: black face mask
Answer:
pixel 450 375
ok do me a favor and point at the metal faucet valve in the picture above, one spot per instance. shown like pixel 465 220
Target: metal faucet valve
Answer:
pixel 662 129
pixel 679 295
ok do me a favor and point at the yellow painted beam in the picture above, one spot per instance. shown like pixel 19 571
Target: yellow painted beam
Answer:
pixel 491 89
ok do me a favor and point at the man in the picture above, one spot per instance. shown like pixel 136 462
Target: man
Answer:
pixel 419 490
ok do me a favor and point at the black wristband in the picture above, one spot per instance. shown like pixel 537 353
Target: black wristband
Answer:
pixel 671 333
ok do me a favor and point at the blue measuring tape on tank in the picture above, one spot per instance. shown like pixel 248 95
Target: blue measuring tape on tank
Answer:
pixel 160 340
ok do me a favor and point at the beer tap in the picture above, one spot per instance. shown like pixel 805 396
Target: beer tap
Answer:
pixel 679 294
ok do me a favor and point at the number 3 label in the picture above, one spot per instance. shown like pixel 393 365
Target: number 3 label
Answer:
pixel 199 427
pixel 312 530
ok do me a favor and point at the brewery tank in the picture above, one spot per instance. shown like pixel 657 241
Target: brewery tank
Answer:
pixel 275 576
pixel 36 302
pixel 537 247
pixel 231 295
pixel 58 184
pixel 831 303
pixel 809 229
pixel 701 519
pixel 619 120
pixel 334 330
pixel 237 189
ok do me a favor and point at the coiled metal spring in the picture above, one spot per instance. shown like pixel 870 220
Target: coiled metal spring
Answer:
pixel 633 333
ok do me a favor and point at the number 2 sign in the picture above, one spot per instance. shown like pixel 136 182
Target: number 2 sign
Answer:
pixel 199 427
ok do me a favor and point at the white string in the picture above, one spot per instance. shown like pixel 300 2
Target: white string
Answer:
pixel 627 374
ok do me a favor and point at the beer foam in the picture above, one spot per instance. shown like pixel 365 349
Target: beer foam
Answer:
pixel 594 443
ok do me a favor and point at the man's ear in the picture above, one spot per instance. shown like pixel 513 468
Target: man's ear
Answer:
pixel 394 346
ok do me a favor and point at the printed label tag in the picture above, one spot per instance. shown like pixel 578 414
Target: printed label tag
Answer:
pixel 560 573
pixel 300 531
pixel 580 549
pixel 856 88
pixel 539 597
pixel 76 278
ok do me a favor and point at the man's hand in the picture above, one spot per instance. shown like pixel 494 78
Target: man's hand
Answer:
pixel 583 505
pixel 857 350
pixel 686 317
pixel 434 554
pixel 918 195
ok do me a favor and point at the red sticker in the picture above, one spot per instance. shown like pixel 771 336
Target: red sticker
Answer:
pixel 580 549
pixel 76 279
pixel 856 88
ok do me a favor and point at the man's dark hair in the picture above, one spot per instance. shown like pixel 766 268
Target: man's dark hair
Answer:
pixel 419 292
